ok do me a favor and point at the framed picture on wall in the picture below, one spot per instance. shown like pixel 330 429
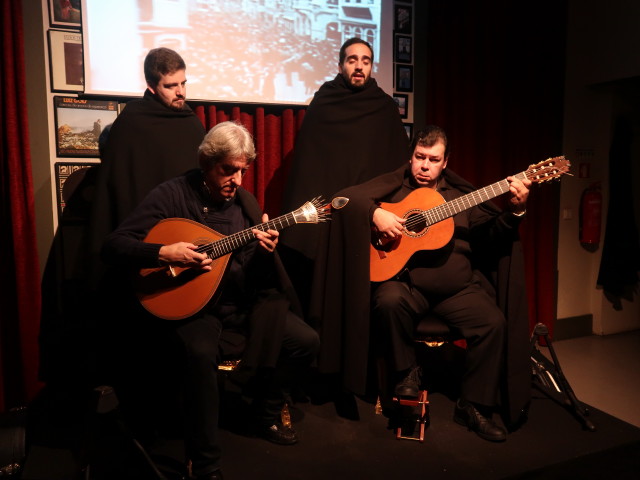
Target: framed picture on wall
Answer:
pixel 71 185
pixel 79 123
pixel 409 129
pixel 65 61
pixel 404 78
pixel 402 18
pixel 403 49
pixel 65 13
pixel 402 101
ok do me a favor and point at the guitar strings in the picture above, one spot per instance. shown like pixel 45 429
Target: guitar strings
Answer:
pixel 225 245
pixel 541 172
pixel 221 247
pixel 457 205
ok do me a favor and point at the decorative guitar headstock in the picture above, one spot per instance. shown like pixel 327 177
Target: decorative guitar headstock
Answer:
pixel 548 169
pixel 317 210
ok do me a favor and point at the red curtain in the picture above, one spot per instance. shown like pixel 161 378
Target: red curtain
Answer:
pixel 495 81
pixel 19 269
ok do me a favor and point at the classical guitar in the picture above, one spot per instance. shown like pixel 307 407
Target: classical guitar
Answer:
pixel 429 223
pixel 175 293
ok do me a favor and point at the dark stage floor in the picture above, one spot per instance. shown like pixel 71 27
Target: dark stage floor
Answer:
pixel 552 444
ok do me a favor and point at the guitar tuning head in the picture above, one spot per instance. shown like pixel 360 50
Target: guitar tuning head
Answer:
pixel 548 169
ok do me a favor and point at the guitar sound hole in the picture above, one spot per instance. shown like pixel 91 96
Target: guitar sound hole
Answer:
pixel 415 224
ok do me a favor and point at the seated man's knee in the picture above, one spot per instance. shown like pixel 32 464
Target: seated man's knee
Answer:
pixel 496 326
pixel 311 342
pixel 301 341
pixel 389 297
pixel 498 322
pixel 202 352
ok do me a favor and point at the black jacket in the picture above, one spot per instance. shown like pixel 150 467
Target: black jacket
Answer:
pixel 347 137
pixel 148 144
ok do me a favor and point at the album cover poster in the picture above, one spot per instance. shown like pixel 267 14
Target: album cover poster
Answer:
pixel 79 123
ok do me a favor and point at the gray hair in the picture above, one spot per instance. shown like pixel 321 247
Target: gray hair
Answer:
pixel 226 140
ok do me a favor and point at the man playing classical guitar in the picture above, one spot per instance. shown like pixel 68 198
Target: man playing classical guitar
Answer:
pixel 254 303
pixel 443 281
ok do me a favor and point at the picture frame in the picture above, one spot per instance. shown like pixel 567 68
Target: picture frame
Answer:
pixel 79 124
pixel 71 181
pixel 402 18
pixel 402 101
pixel 403 49
pixel 404 78
pixel 65 13
pixel 408 127
pixel 65 61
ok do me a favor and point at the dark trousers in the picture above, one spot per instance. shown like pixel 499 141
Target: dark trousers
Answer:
pixel 200 338
pixel 396 309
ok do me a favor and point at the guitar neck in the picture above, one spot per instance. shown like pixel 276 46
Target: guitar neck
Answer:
pixel 460 204
pixel 228 244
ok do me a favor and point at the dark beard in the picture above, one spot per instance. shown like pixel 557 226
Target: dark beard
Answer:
pixel 356 88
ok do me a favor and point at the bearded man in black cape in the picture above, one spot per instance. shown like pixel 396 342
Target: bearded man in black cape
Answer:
pixel 351 132
pixel 154 139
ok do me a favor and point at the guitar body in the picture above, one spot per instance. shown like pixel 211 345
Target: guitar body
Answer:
pixel 388 260
pixel 176 293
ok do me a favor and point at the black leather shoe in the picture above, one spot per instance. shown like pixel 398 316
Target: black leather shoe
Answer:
pixel 466 414
pixel 409 386
pixel 217 475
pixel 278 433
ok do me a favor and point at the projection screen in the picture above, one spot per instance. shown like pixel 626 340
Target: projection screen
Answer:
pixel 254 51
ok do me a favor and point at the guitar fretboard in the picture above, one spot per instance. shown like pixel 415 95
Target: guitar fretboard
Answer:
pixel 228 244
pixel 455 206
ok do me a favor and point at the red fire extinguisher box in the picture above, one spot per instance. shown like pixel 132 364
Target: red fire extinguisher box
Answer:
pixel 591 215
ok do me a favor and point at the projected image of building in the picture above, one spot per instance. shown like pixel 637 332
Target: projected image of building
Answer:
pixel 263 51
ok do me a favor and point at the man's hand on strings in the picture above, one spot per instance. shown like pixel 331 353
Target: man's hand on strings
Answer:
pixel 388 224
pixel 268 239
pixel 184 254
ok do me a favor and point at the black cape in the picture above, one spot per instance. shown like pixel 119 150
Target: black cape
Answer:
pixel 340 306
pixel 347 137
pixel 148 144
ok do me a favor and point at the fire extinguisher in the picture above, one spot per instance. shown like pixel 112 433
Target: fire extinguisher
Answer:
pixel 591 215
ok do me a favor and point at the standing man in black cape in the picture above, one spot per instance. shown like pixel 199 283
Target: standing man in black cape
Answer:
pixel 351 132
pixel 155 138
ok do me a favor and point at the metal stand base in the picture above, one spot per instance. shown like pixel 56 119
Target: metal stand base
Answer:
pixel 549 379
